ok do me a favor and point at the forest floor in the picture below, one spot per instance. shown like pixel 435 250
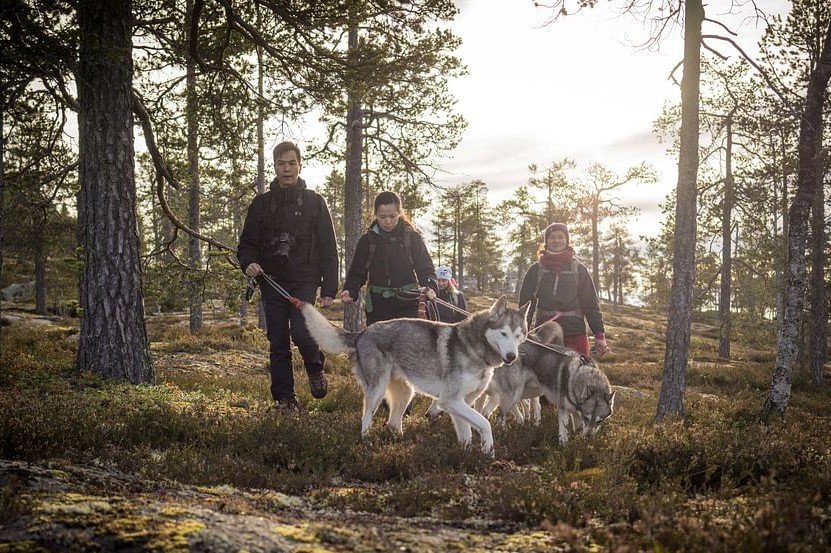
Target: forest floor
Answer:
pixel 201 461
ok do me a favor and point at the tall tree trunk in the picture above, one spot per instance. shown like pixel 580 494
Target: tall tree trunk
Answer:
pixel 778 274
pixel 260 159
pixel 2 192
pixel 616 296
pixel 674 382
pixel 353 221
pixel 113 338
pixel 194 244
pixel 596 246
pixel 40 268
pixel 810 142
pixel 726 249
pixel 783 256
pixel 819 331
pixel 521 269
pixel 460 252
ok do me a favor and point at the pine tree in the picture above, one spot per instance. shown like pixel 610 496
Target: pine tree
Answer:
pixel 113 339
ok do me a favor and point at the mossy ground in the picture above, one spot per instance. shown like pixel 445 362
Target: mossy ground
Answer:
pixel 200 461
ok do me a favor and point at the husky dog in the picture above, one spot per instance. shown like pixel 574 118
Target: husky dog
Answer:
pixel 451 363
pixel 567 379
pixel 514 385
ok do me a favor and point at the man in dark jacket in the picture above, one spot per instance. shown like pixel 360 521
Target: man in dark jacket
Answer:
pixel 288 234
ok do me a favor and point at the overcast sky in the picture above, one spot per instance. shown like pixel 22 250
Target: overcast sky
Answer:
pixel 577 88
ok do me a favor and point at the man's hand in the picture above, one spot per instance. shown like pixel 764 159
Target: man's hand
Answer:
pixel 345 297
pixel 429 292
pixel 326 301
pixel 253 270
pixel 601 346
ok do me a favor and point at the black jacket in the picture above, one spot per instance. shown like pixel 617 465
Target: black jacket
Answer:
pixel 446 314
pixel 575 292
pixel 390 264
pixel 304 215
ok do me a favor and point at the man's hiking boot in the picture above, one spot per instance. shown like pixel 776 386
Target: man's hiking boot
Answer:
pixel 318 385
pixel 287 406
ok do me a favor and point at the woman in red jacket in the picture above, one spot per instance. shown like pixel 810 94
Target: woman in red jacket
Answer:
pixel 561 289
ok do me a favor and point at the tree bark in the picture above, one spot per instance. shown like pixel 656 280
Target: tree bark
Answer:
pixel 616 276
pixel 596 245
pixel 2 191
pixel 783 257
pixel 194 244
pixel 810 142
pixel 352 313
pixel 40 269
pixel 113 338
pixel 819 331
pixel 674 382
pixel 260 161
pixel 726 247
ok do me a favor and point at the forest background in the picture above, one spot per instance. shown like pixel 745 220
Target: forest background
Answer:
pixel 117 261
pixel 214 84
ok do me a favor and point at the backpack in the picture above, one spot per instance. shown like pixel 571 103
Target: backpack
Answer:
pixel 574 271
pixel 408 248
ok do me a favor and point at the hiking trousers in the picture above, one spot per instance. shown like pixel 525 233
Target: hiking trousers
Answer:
pixel 286 324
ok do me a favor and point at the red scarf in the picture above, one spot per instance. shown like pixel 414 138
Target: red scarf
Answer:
pixel 556 261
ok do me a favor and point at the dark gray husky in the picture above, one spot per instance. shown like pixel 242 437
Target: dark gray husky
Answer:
pixel 566 378
pixel 451 363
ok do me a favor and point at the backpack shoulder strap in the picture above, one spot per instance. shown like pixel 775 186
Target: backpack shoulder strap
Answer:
pixel 371 254
pixel 408 245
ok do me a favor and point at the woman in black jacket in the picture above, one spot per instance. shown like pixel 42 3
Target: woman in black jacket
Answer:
pixel 393 261
pixel 450 294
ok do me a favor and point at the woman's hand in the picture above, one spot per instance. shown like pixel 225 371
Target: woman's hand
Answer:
pixel 601 345
pixel 345 297
pixel 429 292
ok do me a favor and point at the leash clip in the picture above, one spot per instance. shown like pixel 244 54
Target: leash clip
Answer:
pixel 249 289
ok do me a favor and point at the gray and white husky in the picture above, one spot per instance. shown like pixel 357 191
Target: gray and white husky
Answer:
pixel 567 379
pixel 451 363
pixel 513 387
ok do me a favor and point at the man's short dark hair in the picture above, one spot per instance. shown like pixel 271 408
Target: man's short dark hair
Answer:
pixel 284 147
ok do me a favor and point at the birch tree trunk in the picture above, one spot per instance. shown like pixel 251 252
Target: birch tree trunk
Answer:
pixel 725 322
pixel 809 148
pixel 113 338
pixel 674 382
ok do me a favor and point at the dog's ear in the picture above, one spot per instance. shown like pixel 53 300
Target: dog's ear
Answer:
pixel 498 307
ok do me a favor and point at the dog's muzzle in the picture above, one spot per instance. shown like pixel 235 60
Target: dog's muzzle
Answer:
pixel 509 358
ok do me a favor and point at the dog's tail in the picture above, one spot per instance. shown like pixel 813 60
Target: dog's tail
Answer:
pixel 329 337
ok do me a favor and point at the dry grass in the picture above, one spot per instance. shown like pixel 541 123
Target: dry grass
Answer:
pixel 718 480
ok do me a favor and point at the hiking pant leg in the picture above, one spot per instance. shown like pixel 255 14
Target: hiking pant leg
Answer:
pixel 310 352
pixel 578 342
pixel 277 316
pixel 385 309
